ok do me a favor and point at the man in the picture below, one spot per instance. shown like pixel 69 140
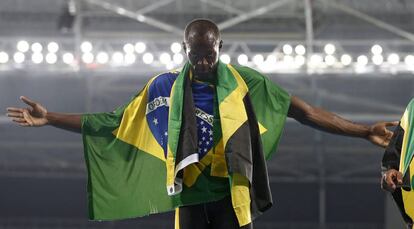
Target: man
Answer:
pixel 398 167
pixel 211 126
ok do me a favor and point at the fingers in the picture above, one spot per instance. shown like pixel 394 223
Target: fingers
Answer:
pixel 399 178
pixel 27 117
pixel 389 179
pixel 14 109
pixel 15 114
pixel 28 101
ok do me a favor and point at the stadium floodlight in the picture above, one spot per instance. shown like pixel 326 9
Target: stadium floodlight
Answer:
pixel 165 58
pixel 271 59
pixel 19 57
pixel 128 48
pixel 287 49
pixel 148 58
pixel 409 60
pixel 300 60
pixel 258 59
pixel 86 47
pixel 376 49
pixel 52 47
pixel 329 49
pixel 225 58
pixel 300 50
pixel 37 47
pixel 130 58
pixel 242 59
pixel 51 58
pixel 117 58
pixel 178 58
pixel 102 58
pixel 377 59
pixel 140 47
pixel 330 60
pixel 37 57
pixel 68 58
pixel 393 58
pixel 346 59
pixel 87 58
pixel 22 46
pixel 362 60
pixel 4 57
pixel 175 47
pixel 316 60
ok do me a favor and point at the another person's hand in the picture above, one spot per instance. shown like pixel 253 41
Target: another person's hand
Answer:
pixel 391 179
pixel 379 134
pixel 34 115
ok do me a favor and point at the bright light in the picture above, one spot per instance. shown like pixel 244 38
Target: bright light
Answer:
pixel 300 60
pixel 19 57
pixel 86 47
pixel 37 47
pixel 330 60
pixel 316 60
pixel 376 49
pixel 346 59
pixel 4 57
pixel 102 58
pixel 242 59
pixel 258 59
pixel 377 59
pixel 175 47
pixel 225 58
pixel 271 59
pixel 37 58
pixel 287 49
pixel 148 58
pixel 409 60
pixel 300 50
pixel 130 58
pixel 140 47
pixel 169 66
pixel 288 59
pixel 68 58
pixel 362 60
pixel 129 48
pixel 393 58
pixel 329 49
pixel 87 58
pixel 51 58
pixel 117 58
pixel 52 47
pixel 178 58
pixel 165 58
pixel 22 46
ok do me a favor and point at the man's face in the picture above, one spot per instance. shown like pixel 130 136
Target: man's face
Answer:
pixel 203 53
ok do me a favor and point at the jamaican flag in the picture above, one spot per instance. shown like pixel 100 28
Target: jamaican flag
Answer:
pixel 403 161
pixel 142 158
pixel 406 198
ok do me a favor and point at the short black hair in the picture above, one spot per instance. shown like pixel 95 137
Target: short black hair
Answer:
pixel 201 27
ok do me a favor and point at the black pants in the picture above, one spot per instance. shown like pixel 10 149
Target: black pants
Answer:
pixel 213 215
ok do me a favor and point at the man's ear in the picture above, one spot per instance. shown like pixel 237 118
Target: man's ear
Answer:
pixel 184 46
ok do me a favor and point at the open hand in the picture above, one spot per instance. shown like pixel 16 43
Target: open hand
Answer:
pixel 33 115
pixel 380 135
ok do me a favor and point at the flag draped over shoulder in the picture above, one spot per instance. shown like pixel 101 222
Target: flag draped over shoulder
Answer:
pixel 405 198
pixel 137 155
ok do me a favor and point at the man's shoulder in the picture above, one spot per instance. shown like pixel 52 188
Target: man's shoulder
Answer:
pixel 165 78
pixel 249 74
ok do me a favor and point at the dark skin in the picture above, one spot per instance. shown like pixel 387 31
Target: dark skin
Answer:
pixel 202 46
pixel 391 180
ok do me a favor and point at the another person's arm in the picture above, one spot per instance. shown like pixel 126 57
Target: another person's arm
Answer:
pixel 326 121
pixel 36 115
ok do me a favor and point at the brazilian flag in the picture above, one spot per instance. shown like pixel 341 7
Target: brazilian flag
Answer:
pixel 404 197
pixel 142 158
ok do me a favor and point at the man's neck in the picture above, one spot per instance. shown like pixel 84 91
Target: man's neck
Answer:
pixel 209 78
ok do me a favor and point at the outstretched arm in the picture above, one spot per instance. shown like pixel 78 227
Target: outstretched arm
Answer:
pixel 36 115
pixel 326 121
